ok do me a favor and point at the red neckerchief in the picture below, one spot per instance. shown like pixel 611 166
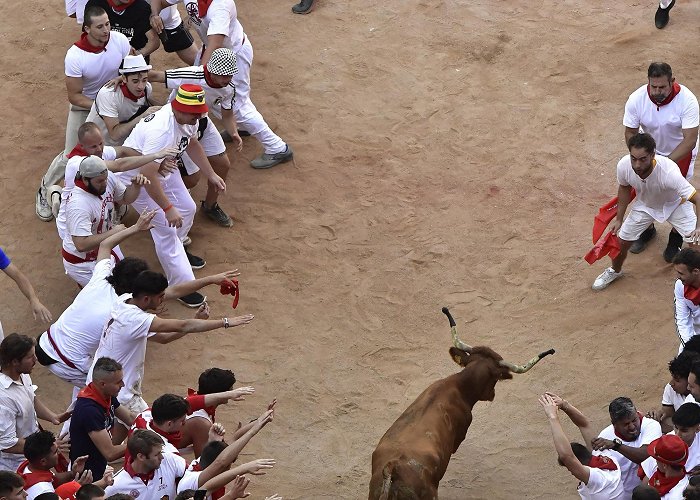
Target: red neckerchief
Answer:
pixel 215 495
pixel 674 92
pixel 210 82
pixel 195 405
pixel 81 184
pixel 231 287
pixel 122 7
pixel 143 477
pixel 692 294
pixel 90 392
pixel 172 437
pixel 31 478
pixel 640 427
pixel 127 93
pixel 78 151
pixel 662 483
pixel 602 462
pixel 83 44
pixel 203 7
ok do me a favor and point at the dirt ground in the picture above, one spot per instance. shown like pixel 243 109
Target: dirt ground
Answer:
pixel 447 153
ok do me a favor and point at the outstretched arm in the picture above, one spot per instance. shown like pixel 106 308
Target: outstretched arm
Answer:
pixel 182 289
pixel 143 224
pixel 578 418
pixel 38 309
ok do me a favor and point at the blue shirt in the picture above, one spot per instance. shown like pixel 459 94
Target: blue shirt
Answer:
pixel 4 260
pixel 89 416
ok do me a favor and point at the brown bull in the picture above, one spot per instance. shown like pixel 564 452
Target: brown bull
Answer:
pixel 413 454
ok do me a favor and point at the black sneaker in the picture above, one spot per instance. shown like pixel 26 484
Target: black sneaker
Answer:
pixel 303 7
pixel 675 242
pixel 195 262
pixel 662 15
pixel 193 300
pixel 216 214
pixel 227 137
pixel 640 245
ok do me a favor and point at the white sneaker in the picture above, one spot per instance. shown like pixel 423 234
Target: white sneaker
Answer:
pixel 43 209
pixel 605 278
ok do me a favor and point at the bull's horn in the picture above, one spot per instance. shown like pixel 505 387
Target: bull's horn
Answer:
pixel 453 326
pixel 526 366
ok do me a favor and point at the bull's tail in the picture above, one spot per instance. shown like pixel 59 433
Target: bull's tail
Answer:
pixel 388 475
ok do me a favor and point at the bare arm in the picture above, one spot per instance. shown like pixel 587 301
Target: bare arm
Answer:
pixel 213 42
pixel 156 76
pixel 143 224
pixel 38 309
pixel 103 442
pixel 168 330
pixel 130 162
pixel 74 86
pixel 132 191
pixel 182 289
pixel 199 157
pixel 561 443
pixel 120 131
pixel 44 413
pixel 629 132
pixel 229 120
pixel 578 418
pixel 151 45
pixel 690 139
pixel 87 243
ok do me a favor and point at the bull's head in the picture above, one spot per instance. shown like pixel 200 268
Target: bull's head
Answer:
pixel 461 353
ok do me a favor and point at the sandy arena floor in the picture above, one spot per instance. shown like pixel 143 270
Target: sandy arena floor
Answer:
pixel 447 153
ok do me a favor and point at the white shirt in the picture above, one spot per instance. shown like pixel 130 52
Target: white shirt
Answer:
pixel 38 488
pixel 650 465
pixel 97 69
pixel 664 123
pixel 221 19
pixel 114 104
pixel 160 130
pixel 672 398
pixel 190 481
pixel 88 214
pixel 72 166
pixel 17 417
pixel 163 484
pixel 603 484
pixel 200 414
pixel 661 192
pixel 171 18
pixel 77 331
pixel 124 339
pixel 687 314
pixel 650 430
pixel 216 98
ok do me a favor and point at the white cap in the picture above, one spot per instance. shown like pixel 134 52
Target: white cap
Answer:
pixel 134 64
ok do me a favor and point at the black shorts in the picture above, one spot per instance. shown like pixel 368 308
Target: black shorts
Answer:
pixel 176 39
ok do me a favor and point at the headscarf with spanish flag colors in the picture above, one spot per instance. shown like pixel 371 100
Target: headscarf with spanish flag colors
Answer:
pixel 189 98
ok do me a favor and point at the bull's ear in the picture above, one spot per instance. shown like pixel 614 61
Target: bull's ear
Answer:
pixel 459 356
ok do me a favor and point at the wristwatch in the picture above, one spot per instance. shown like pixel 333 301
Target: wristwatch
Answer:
pixel 616 444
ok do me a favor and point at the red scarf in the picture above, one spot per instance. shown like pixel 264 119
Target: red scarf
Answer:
pixel 640 427
pixel 172 437
pixel 215 495
pixel 31 478
pixel 90 392
pixel 143 477
pixel 196 404
pixel 203 7
pixel 127 93
pixel 78 151
pixel 210 82
pixel 231 287
pixel 122 7
pixel 83 44
pixel 674 92
pixel 602 462
pixel 662 483
pixel 692 294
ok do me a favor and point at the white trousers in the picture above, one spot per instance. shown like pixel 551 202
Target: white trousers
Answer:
pixel 168 240
pixel 248 117
pixel 57 170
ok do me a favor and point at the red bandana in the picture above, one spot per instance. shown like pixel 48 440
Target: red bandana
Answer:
pixel 31 478
pixel 83 44
pixel 122 7
pixel 127 93
pixel 129 468
pixel 674 92
pixel 90 392
pixel 210 82
pixel 230 287
pixel 602 462
pixel 78 151
pixel 662 483
pixel 195 404
pixel 640 426
pixel 203 7
pixel 692 294
pixel 172 437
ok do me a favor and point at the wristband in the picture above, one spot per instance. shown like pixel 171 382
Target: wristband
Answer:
pixel 226 323
pixel 168 207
